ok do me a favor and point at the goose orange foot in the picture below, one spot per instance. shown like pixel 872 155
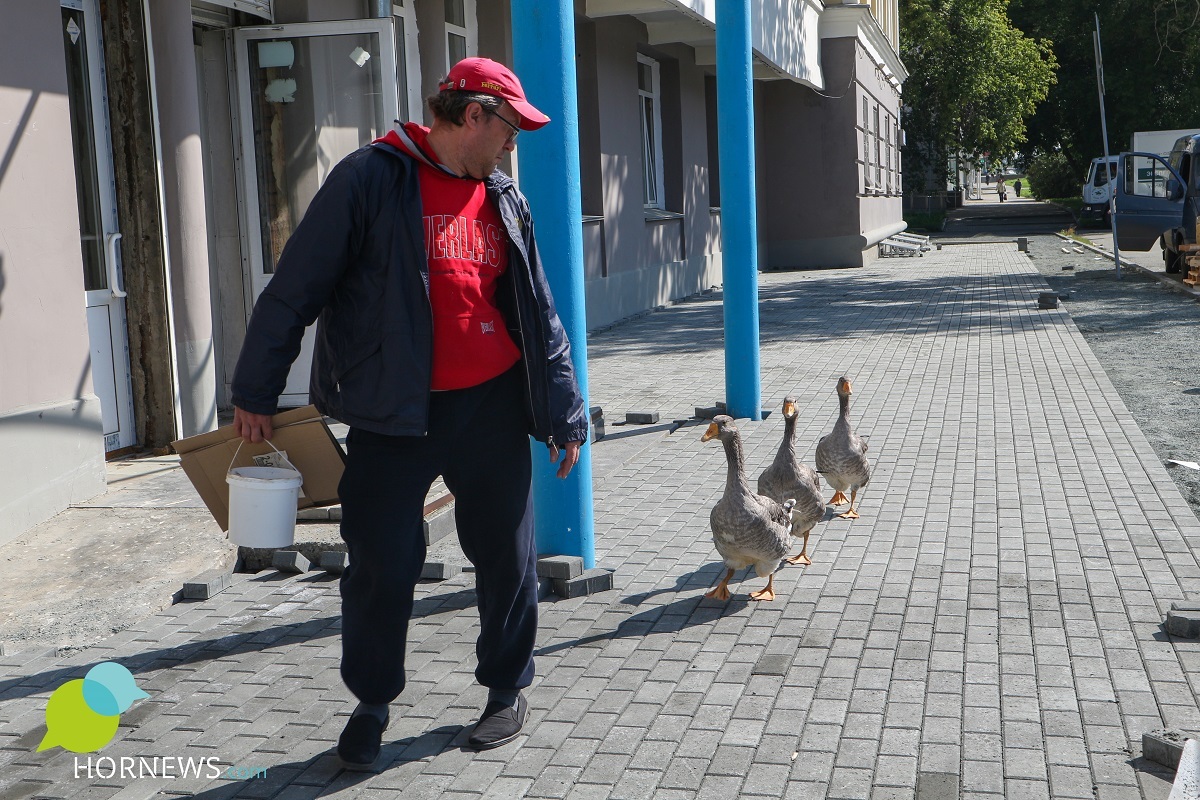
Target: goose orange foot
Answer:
pixel 851 514
pixel 838 499
pixel 719 593
pixel 721 590
pixel 800 558
pixel 767 592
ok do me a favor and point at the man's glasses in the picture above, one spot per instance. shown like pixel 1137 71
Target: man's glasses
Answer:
pixel 512 137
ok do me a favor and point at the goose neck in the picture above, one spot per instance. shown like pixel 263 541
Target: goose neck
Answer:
pixel 735 479
pixel 787 448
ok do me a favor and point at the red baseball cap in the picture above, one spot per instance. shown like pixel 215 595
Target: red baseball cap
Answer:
pixel 490 77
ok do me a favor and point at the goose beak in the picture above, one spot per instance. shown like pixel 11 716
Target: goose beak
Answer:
pixel 711 433
pixel 789 409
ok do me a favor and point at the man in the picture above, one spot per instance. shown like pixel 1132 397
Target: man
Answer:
pixel 440 347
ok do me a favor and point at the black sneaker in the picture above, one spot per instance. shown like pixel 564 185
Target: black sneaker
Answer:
pixel 498 725
pixel 358 746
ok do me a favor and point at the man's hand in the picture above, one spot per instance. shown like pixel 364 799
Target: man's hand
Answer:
pixel 571 459
pixel 251 427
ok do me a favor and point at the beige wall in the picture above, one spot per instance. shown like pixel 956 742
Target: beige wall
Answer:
pixel 51 435
pixel 43 325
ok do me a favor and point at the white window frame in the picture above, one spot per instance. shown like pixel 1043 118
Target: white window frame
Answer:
pixel 655 96
pixel 470 32
pixel 887 143
pixel 406 17
pixel 866 137
pixel 878 154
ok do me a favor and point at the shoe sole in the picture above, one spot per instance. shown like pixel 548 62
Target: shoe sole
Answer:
pixel 524 707
pixel 353 767
pixel 495 744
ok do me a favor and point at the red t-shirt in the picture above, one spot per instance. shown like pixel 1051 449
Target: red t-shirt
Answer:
pixel 467 249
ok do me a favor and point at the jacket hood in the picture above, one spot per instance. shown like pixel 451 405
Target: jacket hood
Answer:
pixel 400 141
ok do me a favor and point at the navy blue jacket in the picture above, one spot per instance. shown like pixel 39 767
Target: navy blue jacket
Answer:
pixel 357 259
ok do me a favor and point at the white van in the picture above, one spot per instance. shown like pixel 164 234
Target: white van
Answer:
pixel 1097 189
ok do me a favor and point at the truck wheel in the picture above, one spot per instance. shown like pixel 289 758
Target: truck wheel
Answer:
pixel 1172 260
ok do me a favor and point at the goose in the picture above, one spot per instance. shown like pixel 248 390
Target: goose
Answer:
pixel 788 479
pixel 748 529
pixel 842 456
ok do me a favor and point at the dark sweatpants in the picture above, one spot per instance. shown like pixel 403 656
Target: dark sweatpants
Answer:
pixel 477 443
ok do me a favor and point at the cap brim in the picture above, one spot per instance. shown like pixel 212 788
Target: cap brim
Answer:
pixel 531 118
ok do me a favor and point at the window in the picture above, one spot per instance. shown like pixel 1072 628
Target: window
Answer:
pixel 461 31
pixel 650 102
pixel 887 144
pixel 1146 176
pixel 878 154
pixel 866 158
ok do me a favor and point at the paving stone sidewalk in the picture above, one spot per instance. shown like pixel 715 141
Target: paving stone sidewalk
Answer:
pixel 989 628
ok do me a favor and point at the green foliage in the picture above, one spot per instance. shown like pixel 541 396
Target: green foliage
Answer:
pixel 1051 175
pixel 1151 72
pixel 925 220
pixel 973 80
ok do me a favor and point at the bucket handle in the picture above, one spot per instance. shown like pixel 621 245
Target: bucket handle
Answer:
pixel 273 447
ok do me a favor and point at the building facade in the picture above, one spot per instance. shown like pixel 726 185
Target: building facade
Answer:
pixel 157 163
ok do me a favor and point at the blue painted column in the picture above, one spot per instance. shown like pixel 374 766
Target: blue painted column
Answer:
pixel 543 33
pixel 739 219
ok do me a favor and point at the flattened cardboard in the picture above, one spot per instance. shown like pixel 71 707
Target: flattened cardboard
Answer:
pixel 300 433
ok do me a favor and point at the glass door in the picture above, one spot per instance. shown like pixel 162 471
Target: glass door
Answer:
pixel 98 234
pixel 309 94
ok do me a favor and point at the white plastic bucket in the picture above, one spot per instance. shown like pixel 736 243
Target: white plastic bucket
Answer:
pixel 262 505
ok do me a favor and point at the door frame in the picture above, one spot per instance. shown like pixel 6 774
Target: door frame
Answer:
pixel 112 296
pixel 254 279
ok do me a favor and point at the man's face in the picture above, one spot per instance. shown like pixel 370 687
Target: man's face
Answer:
pixel 491 139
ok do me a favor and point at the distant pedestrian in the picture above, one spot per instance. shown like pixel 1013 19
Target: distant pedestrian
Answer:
pixel 987 178
pixel 1017 186
pixel 1001 188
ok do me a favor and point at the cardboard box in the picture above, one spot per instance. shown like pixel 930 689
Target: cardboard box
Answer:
pixel 300 434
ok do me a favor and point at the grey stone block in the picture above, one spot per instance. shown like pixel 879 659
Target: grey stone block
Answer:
pixel 1048 300
pixel 335 561
pixel 641 417
pixel 440 525
pixel 561 568
pixel 290 561
pixel 772 665
pixel 1165 746
pixel 1183 620
pixel 597 414
pixel 707 412
pixel 206 585
pixel 323 514
pixel 439 571
pixel 1022 244
pixel 720 404
pixel 590 582
pixel 937 786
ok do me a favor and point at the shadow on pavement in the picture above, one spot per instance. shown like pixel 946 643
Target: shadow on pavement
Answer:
pixel 672 617
pixel 223 646
pixel 846 305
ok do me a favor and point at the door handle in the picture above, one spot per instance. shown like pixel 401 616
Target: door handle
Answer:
pixel 110 260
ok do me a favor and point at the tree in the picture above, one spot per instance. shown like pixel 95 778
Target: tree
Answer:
pixel 973 81
pixel 1151 66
